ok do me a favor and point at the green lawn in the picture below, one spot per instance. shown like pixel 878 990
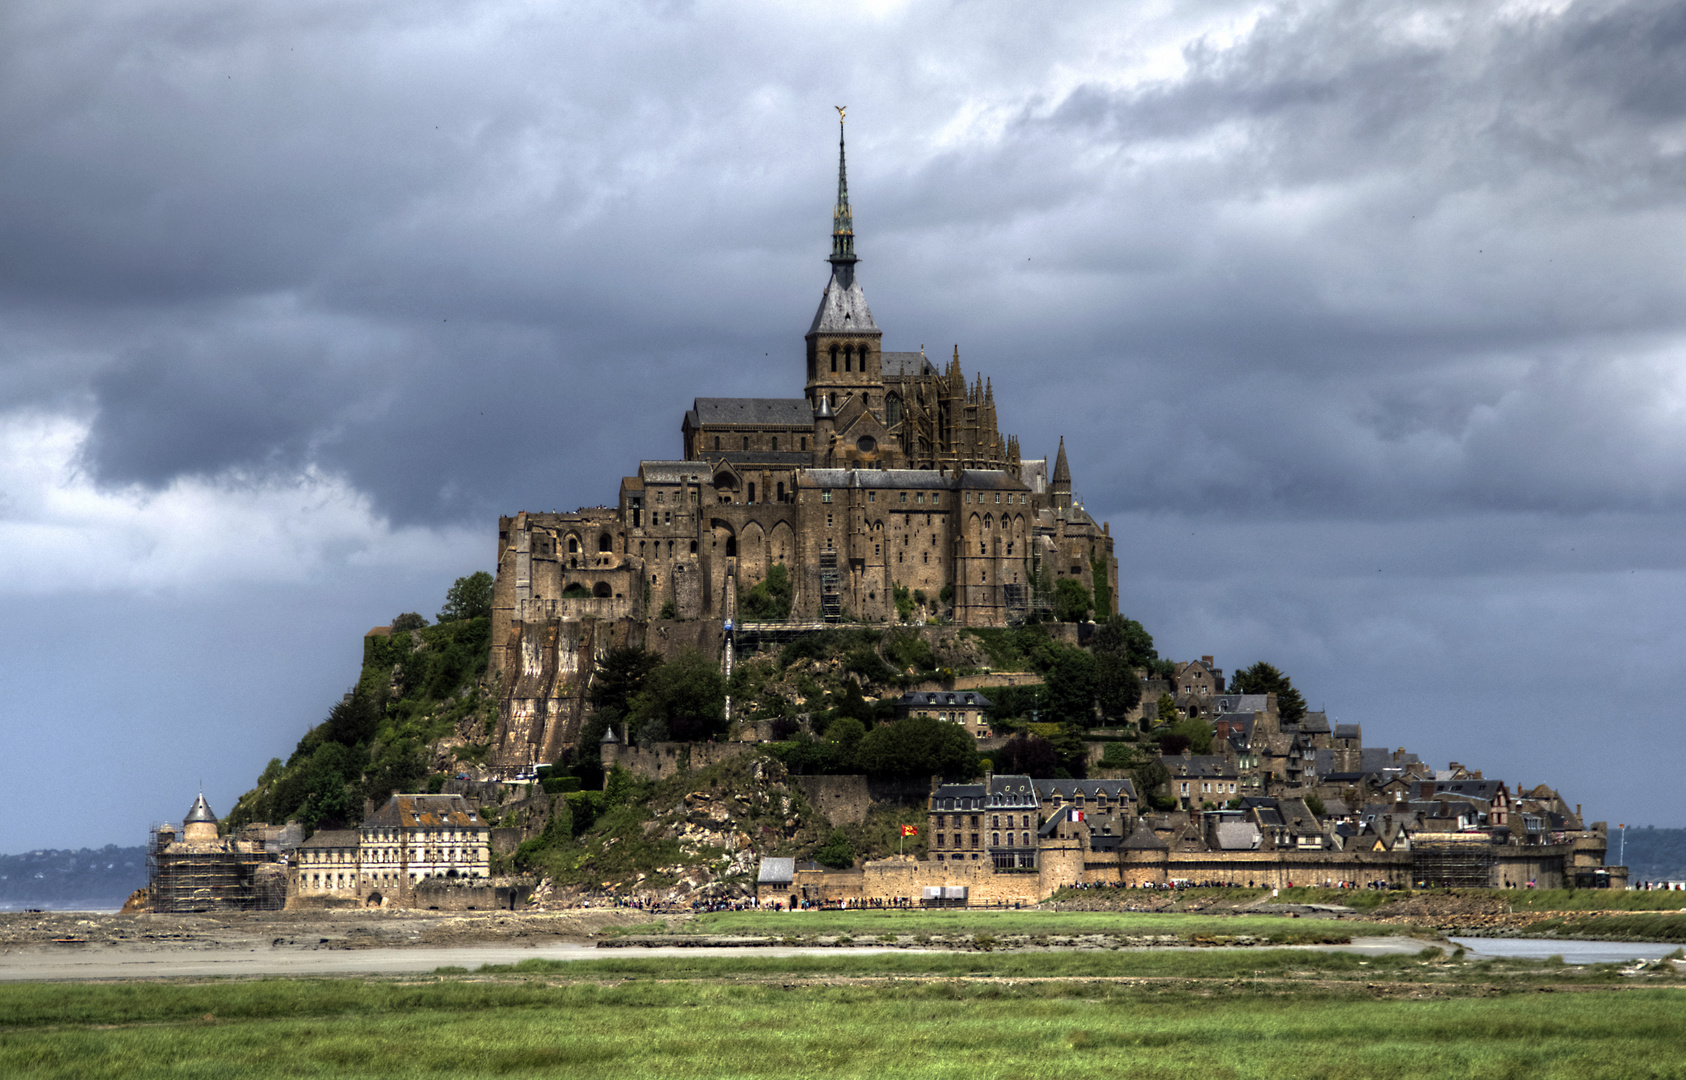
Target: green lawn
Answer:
pixel 868 924
pixel 943 1027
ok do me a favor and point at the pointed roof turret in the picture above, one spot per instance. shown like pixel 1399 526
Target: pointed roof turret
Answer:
pixel 823 411
pixel 1060 486
pixel 200 811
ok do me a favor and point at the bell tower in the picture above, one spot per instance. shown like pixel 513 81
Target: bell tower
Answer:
pixel 844 356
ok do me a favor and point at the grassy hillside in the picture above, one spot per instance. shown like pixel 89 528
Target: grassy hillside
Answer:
pixel 418 709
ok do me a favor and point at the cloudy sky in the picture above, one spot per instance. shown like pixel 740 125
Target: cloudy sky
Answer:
pixel 1364 321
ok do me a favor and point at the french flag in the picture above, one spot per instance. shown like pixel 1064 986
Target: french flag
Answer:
pixel 1074 815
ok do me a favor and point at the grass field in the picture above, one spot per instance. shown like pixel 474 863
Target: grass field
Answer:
pixel 1272 1013
pixel 868 924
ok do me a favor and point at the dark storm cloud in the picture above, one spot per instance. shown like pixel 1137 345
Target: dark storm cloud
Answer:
pixel 1358 257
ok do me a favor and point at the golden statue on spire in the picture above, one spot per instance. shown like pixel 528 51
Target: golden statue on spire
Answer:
pixel 840 109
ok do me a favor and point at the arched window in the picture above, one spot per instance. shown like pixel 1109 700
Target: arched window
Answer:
pixel 834 363
pixel 848 358
pixel 864 351
pixel 892 410
pixel 573 545
pixel 601 590
pixel 693 547
pixel 604 543
pixel 752 493
pixel 746 444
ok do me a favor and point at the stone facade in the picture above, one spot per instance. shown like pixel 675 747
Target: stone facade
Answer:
pixel 410 842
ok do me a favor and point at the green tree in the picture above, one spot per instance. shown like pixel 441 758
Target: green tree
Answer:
pixel 1072 602
pixel 919 746
pixel 1167 709
pixel 683 699
pixel 1127 637
pixel 410 620
pixel 469 598
pixel 1071 682
pixel 836 852
pixel 769 600
pixel 1263 678
pixel 1118 689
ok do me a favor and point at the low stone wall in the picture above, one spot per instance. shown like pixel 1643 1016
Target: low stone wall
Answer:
pixel 491 895
pixel 659 761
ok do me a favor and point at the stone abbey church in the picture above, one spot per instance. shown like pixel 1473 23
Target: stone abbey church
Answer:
pixel 886 473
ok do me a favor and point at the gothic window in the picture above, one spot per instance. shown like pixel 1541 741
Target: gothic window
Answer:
pixel 989 522
pixel 892 410
pixel 573 545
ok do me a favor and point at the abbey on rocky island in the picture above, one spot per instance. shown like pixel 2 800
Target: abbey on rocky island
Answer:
pixel 887 477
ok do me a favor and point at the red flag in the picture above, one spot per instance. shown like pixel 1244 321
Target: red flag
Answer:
pixel 910 830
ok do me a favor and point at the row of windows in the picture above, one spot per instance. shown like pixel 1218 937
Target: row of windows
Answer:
pixel 849 358
pixel 802 442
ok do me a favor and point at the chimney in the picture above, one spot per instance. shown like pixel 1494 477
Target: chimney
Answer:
pixel 1207 660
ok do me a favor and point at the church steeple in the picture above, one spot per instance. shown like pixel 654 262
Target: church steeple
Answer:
pixel 1060 488
pixel 842 220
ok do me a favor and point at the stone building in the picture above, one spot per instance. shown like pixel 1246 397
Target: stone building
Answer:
pixel 411 842
pixel 887 475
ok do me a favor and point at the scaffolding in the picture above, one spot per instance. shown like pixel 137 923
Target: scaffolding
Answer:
pixel 831 602
pixel 213 880
pixel 1452 860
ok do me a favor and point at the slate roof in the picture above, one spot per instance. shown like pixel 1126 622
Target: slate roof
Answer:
pixel 333 838
pixel 751 412
pixel 944 699
pixel 672 472
pixel 1196 766
pixel 1239 703
pixel 1011 789
pixel 1238 836
pixel 1347 731
pixel 958 792
pixel 1482 790
pixel 1143 840
pixel 776 872
pixel 904 365
pixel 878 478
pixel 795 459
pixel 1315 723
pixel 1068 789
pixel 842 304
pixel 425 812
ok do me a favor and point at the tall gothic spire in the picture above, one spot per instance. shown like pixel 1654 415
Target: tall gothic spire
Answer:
pixel 842 221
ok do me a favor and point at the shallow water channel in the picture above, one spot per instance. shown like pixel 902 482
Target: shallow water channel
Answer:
pixel 1572 951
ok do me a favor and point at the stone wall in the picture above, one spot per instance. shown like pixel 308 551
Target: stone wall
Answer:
pixel 502 894
pixel 660 760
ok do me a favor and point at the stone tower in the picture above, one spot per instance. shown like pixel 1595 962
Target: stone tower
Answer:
pixel 844 344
